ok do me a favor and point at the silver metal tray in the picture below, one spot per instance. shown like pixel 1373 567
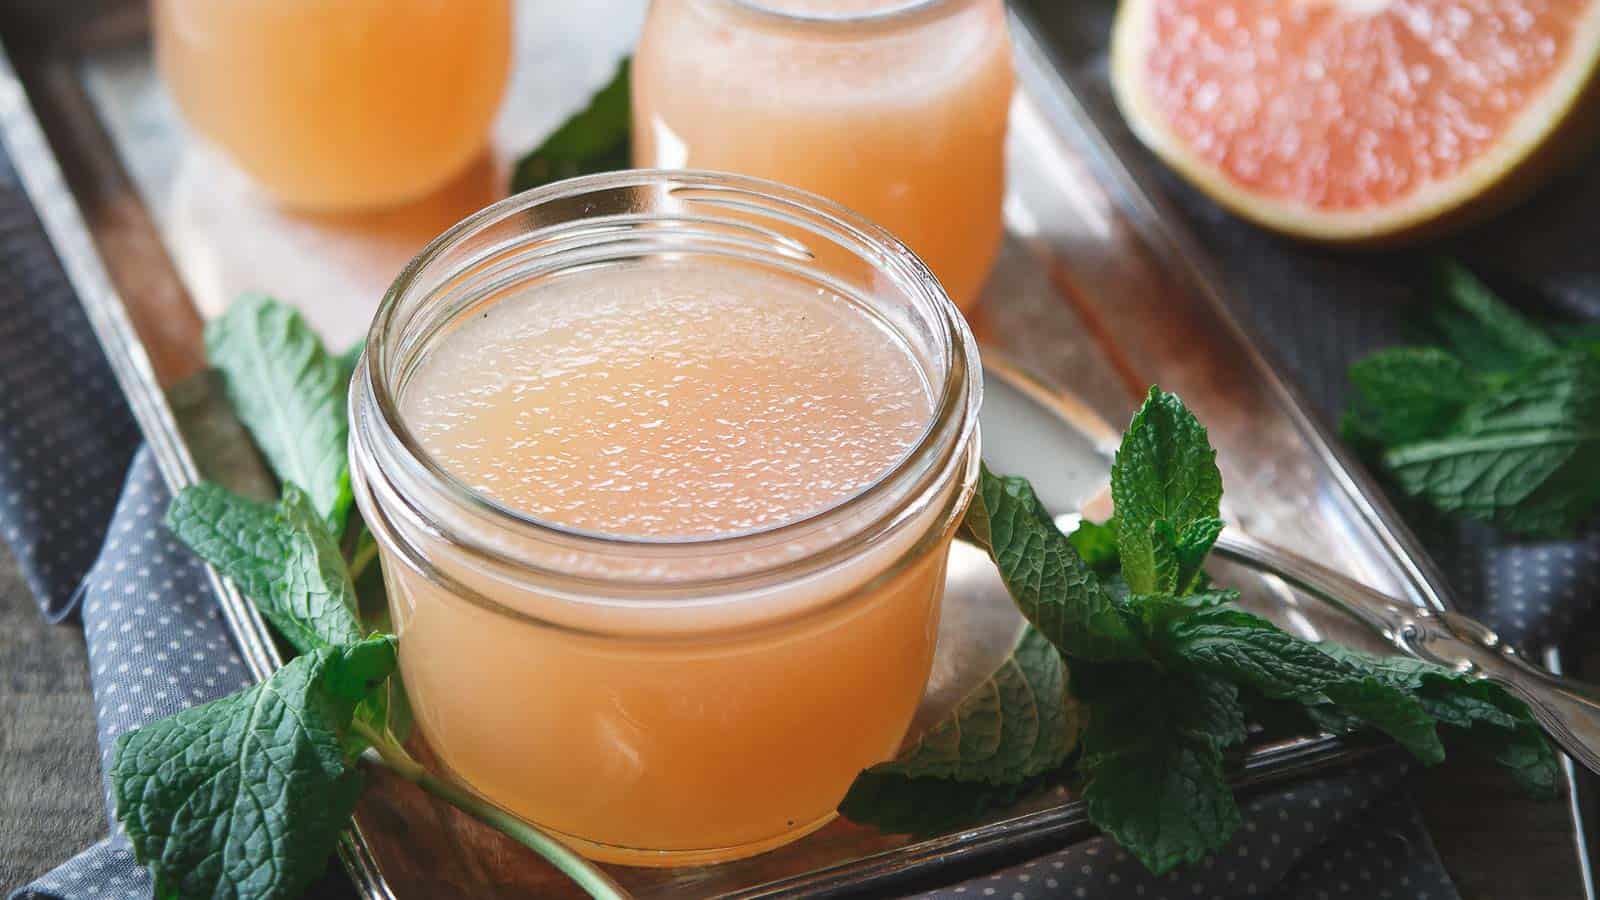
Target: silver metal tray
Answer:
pixel 1096 296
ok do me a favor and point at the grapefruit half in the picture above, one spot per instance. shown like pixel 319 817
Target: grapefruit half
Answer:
pixel 1366 121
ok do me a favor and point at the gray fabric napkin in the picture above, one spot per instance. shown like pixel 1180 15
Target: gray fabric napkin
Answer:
pixel 157 645
pixel 65 431
pixel 1350 835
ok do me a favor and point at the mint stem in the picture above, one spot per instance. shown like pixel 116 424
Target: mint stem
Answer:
pixel 597 883
pixel 362 558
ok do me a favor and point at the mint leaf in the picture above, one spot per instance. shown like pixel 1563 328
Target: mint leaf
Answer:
pixel 1018 723
pixel 1408 394
pixel 896 804
pixel 1522 457
pixel 1496 721
pixel 1158 612
pixel 1241 647
pixel 595 139
pixel 290 392
pixel 1097 544
pixel 1152 763
pixel 281 556
pixel 246 796
pixel 1499 426
pixel 1391 711
pixel 1166 489
pixel 1481 329
pixel 1248 650
pixel 1052 586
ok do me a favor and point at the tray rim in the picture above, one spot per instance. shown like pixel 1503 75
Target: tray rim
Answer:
pixel 59 215
pixel 1042 76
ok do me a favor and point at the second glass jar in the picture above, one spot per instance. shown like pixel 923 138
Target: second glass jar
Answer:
pixel 894 108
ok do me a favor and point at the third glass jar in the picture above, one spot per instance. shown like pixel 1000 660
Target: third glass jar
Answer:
pixel 895 108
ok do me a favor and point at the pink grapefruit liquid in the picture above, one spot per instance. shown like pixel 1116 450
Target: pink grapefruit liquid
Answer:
pixel 901 119
pixel 338 105
pixel 666 401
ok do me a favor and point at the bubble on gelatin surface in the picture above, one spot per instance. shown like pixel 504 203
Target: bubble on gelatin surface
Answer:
pixel 669 400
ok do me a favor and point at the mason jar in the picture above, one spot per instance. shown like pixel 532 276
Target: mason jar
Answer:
pixel 895 108
pixel 650 701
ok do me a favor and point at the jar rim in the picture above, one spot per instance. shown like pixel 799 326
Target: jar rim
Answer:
pixel 951 426
pixel 897 13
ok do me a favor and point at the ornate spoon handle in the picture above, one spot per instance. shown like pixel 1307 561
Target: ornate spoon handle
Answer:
pixel 1568 710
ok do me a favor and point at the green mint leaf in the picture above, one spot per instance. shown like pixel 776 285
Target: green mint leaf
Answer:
pixel 1393 712
pixel 1193 545
pixel 1097 544
pixel 1527 753
pixel 1233 644
pixel 1487 716
pixel 1248 650
pixel 1020 722
pixel 1481 329
pixel 1052 586
pixel 290 393
pixel 1152 763
pixel 1166 488
pixel 1500 427
pixel 896 804
pixel 1522 457
pixel 1583 336
pixel 595 139
pixel 246 796
pixel 1408 394
pixel 1158 612
pixel 281 557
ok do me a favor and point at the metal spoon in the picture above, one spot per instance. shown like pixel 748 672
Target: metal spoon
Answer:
pixel 1568 710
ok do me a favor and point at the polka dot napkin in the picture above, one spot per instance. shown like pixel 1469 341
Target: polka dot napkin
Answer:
pixel 65 431
pixel 157 644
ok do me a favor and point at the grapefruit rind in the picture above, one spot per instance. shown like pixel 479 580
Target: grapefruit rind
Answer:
pixel 1518 161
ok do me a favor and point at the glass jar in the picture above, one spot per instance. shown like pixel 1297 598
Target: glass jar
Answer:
pixel 651 701
pixel 894 108
pixel 338 106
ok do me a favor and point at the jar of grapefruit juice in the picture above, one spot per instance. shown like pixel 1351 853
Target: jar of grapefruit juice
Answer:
pixel 664 468
pixel 894 108
pixel 338 105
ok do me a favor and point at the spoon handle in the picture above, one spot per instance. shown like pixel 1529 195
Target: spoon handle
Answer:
pixel 1568 710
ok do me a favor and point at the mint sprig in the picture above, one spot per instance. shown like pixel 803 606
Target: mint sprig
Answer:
pixel 1166 669
pixel 246 796
pixel 1499 424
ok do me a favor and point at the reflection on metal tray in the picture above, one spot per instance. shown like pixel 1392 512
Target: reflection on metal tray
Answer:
pixel 1096 292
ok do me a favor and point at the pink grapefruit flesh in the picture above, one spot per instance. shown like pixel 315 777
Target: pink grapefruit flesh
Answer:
pixel 1357 120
